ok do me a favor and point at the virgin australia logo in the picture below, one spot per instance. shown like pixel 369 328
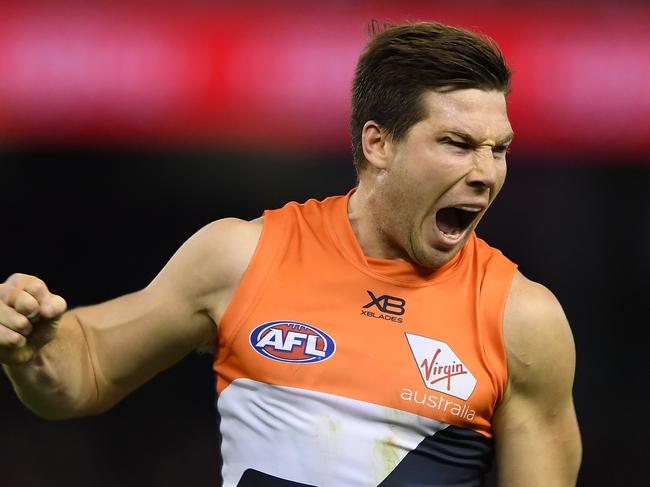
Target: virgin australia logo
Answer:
pixel 440 367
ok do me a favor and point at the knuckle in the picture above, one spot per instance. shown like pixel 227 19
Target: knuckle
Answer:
pixel 61 303
pixel 36 285
pixel 17 277
pixel 9 294
pixel 13 277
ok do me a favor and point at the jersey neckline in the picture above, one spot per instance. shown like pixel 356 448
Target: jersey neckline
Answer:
pixel 390 270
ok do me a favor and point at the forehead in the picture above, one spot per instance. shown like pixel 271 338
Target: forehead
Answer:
pixel 481 114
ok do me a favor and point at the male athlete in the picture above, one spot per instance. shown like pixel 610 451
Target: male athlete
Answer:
pixel 370 339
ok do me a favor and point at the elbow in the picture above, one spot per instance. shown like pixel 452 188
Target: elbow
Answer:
pixel 60 403
pixel 58 412
pixel 50 410
pixel 50 414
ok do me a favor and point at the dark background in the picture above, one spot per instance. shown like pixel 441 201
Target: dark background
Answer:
pixel 98 223
pixel 101 219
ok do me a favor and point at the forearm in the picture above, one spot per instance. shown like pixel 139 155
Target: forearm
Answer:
pixel 59 381
pixel 103 352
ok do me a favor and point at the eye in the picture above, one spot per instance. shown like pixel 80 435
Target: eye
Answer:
pixel 501 150
pixel 456 143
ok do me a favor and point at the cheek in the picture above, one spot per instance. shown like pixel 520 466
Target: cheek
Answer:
pixel 501 179
pixel 444 168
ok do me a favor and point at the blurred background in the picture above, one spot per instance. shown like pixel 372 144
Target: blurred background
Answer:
pixel 127 126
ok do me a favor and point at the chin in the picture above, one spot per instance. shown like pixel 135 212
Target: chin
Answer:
pixel 434 258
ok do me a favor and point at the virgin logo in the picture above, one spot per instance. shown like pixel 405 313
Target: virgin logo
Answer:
pixel 440 367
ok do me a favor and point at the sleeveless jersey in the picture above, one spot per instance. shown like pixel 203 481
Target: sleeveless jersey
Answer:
pixel 338 370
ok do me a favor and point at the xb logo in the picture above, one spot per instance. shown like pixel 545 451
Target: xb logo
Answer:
pixel 386 304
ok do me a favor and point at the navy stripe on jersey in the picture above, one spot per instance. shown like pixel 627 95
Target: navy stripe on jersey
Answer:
pixel 254 478
pixel 455 457
pixel 219 456
pixel 462 458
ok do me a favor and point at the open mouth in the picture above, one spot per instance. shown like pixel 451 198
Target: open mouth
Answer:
pixel 453 221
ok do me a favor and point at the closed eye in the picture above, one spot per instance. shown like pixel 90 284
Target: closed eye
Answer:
pixel 465 146
pixel 456 143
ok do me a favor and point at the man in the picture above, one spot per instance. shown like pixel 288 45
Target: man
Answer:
pixel 368 339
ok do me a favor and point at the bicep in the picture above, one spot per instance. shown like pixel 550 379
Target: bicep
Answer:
pixel 537 445
pixel 536 430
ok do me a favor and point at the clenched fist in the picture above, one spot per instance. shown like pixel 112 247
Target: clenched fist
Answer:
pixel 28 314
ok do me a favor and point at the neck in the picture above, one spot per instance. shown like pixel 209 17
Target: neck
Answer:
pixel 371 236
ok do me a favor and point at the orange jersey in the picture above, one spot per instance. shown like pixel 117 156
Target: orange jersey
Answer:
pixel 334 369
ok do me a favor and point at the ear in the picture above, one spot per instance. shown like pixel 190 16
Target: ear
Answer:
pixel 376 143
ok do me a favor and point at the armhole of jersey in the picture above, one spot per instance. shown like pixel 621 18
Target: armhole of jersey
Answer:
pixel 272 241
pixel 494 298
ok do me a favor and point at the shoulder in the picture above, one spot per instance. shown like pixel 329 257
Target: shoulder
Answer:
pixel 227 244
pixel 538 339
pixel 212 260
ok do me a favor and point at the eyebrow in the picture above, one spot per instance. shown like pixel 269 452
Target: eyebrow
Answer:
pixel 472 141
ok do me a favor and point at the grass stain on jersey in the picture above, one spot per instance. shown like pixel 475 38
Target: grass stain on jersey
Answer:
pixel 387 453
pixel 332 426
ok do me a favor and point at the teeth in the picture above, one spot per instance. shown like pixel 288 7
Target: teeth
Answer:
pixel 473 209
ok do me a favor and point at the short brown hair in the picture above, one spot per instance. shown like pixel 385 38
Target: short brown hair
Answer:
pixel 401 62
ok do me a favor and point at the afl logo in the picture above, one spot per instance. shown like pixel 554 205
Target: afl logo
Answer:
pixel 292 341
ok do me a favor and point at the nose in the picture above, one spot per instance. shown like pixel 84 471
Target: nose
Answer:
pixel 484 173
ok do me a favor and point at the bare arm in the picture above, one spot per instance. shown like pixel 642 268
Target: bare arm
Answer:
pixel 96 355
pixel 536 430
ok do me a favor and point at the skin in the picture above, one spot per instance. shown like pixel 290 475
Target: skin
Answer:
pixel 439 167
pixel 83 361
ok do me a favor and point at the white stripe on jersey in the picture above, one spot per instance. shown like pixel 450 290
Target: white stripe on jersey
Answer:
pixel 313 438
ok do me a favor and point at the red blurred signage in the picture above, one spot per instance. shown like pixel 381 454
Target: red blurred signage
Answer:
pixel 265 77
